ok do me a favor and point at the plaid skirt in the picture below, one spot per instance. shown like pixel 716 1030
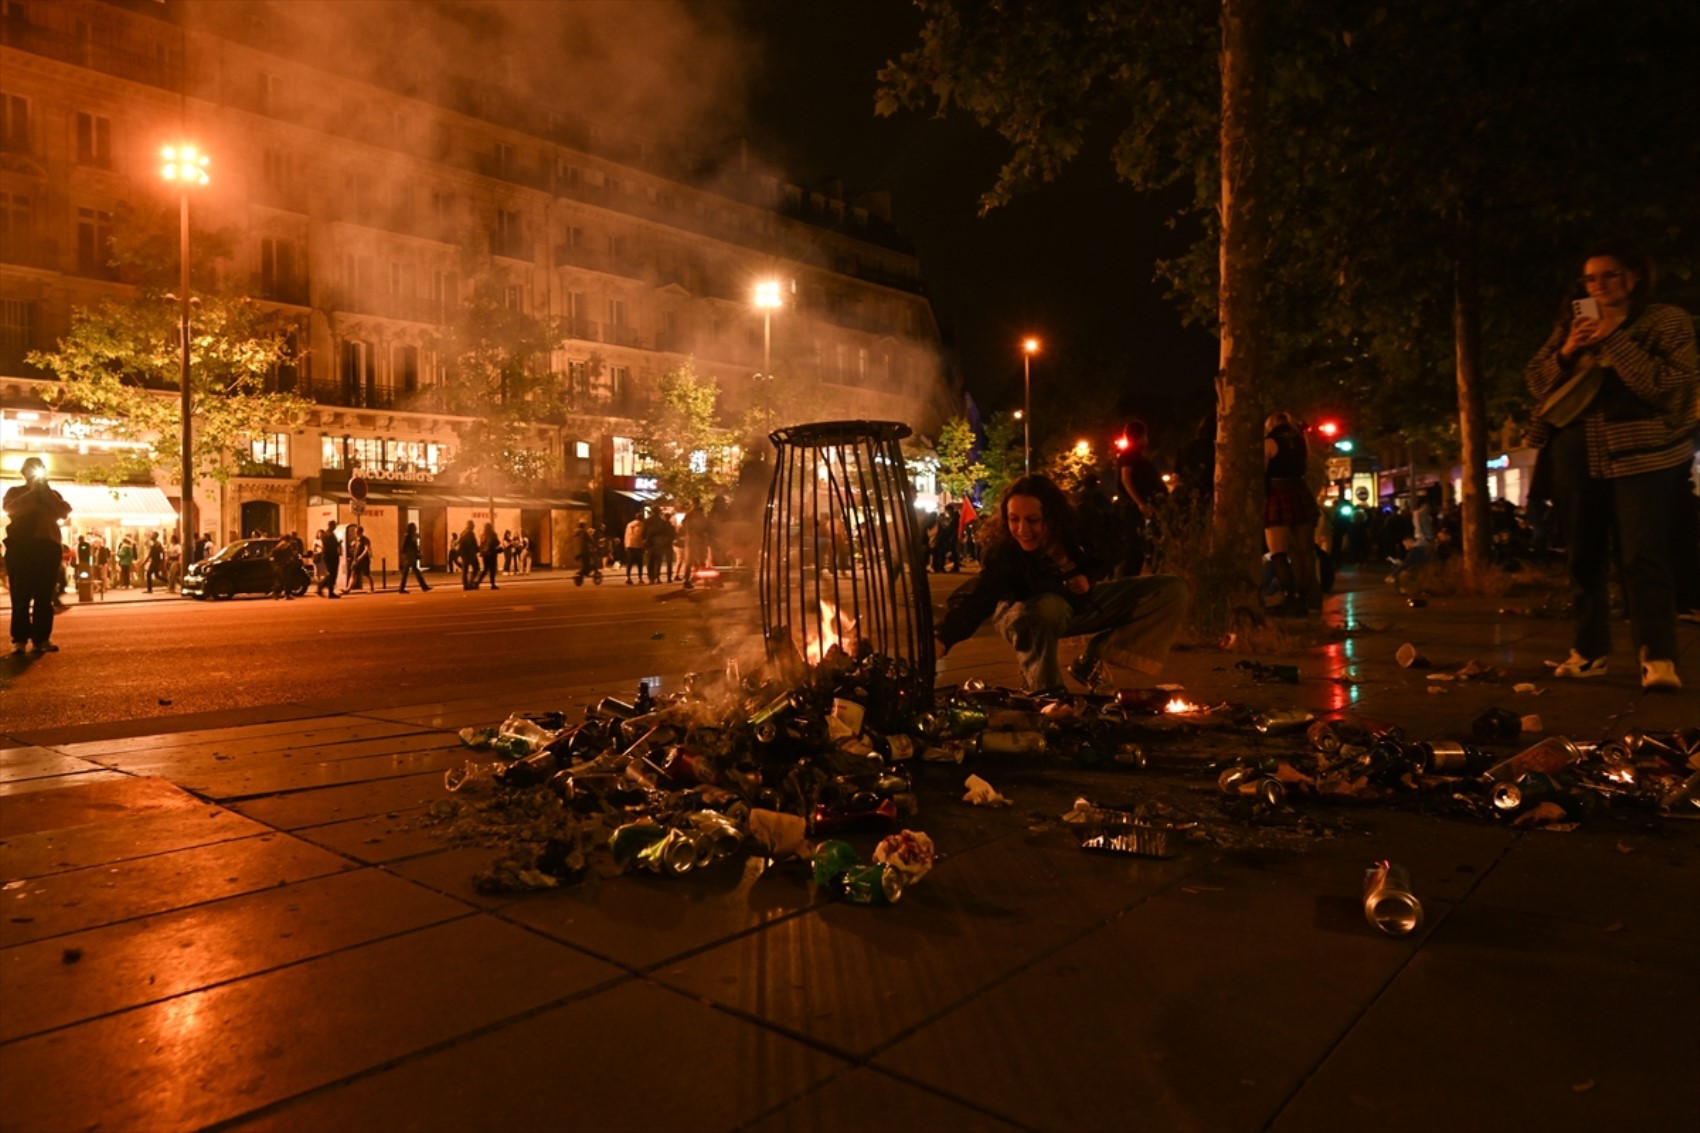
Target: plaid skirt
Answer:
pixel 1288 503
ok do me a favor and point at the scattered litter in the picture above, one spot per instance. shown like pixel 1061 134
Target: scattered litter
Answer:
pixel 1583 1086
pixel 1409 658
pixel 1389 902
pixel 71 955
pixel 982 793
pixel 1530 689
pixel 1529 723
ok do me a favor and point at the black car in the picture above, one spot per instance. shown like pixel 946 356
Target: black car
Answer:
pixel 242 567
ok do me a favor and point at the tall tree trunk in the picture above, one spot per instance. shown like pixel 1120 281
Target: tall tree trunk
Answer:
pixel 1472 402
pixel 1237 517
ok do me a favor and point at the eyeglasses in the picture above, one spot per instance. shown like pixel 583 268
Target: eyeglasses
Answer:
pixel 1603 277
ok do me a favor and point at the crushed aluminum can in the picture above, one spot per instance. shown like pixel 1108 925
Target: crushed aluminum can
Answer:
pixel 715 836
pixel 613 708
pixel 1278 720
pixel 871 885
pixel 1437 757
pixel 1012 743
pixel 973 686
pixel 471 774
pixel 674 854
pixel 831 858
pixel 1548 757
pixel 1130 755
pixel 1249 782
pixel 1510 796
pixel 1684 802
pixel 1389 903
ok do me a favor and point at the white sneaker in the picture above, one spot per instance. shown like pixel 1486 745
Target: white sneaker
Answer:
pixel 1577 665
pixel 1658 674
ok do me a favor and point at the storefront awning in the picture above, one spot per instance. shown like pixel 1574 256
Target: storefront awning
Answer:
pixel 444 499
pixel 640 497
pixel 128 505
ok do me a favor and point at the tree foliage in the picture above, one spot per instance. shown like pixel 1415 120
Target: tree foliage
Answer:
pixel 121 361
pixel 955 453
pixel 499 379
pixel 1000 463
pixel 683 442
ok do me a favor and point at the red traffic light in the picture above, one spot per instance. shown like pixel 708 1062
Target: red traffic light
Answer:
pixel 1122 443
pixel 1329 429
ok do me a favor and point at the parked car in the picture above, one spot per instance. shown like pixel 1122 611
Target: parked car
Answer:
pixel 242 567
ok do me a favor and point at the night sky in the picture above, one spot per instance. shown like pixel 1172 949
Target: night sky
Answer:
pixel 1072 263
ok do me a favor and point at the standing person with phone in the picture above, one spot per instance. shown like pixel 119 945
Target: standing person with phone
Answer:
pixel 1616 383
pixel 34 551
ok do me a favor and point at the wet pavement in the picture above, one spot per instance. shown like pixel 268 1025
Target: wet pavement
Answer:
pixel 235 920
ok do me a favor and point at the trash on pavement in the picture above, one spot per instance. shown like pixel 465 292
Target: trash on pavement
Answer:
pixel 1389 903
pixel 982 793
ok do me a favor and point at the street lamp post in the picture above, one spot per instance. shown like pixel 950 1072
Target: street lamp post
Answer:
pixel 767 300
pixel 185 166
pixel 1029 347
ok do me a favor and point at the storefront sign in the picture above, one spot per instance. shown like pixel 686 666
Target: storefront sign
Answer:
pixel 392 476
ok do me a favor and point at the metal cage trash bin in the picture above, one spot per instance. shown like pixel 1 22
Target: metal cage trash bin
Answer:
pixel 844 595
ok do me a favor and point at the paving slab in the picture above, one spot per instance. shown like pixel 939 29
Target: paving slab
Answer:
pixel 1512 1021
pixel 158 957
pixel 185 764
pixel 1633 882
pixel 20 763
pixel 82 803
pixel 324 805
pixel 40 907
pixel 868 1100
pixel 633 1058
pixel 102 843
pixel 298 726
pixel 279 775
pixel 213 1055
pixel 58 782
pixel 855 978
pixel 1202 1008
pixel 377 838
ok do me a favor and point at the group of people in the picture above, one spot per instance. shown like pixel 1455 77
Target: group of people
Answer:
pixel 649 547
pixel 513 550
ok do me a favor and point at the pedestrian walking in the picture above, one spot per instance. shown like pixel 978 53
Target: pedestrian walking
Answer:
pixel 330 547
pixel 1290 514
pixel 1616 383
pixel 658 545
pixel 466 549
pixel 34 556
pixel 410 558
pixel 694 528
pixel 584 548
pixel 490 550
pixel 126 560
pixel 1140 493
pixel 286 568
pixel 633 548
pixel 154 564
pixel 359 553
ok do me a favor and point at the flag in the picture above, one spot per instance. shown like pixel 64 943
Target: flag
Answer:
pixel 965 517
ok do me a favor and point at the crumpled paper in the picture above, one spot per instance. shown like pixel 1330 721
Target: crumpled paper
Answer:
pixel 982 793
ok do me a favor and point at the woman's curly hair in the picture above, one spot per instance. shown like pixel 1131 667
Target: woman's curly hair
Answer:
pixel 1062 523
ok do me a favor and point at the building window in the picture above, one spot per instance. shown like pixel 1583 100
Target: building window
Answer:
pixel 513 297
pixel 267 453
pixel 266 91
pixel 620 387
pixel 277 270
pixel 94 243
pixel 862 364
pixel 359 379
pixel 625 456
pixel 94 140
pixel 14 123
pixel 616 312
pixel 15 224
pixel 17 333
pixel 506 238
pixel 504 159
pixel 581 450
pixel 445 292
pixel 275 171
pixel 332 457
pixel 405 364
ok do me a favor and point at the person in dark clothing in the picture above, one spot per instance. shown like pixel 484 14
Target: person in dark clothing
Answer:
pixel 358 551
pixel 1290 514
pixel 34 556
pixel 584 549
pixel 410 559
pixel 1140 490
pixel 286 566
pixel 466 549
pixel 944 539
pixel 330 548
pixel 490 550
pixel 1039 585
pixel 153 561
pixel 658 544
pixel 1617 382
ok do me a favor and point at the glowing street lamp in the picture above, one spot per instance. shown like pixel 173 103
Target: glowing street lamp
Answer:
pixel 1083 447
pixel 186 166
pixel 1029 347
pixel 768 298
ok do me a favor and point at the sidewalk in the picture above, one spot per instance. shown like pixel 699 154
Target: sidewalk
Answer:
pixel 235 923
pixel 163 593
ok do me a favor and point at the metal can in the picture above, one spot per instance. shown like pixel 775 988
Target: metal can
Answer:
pixel 832 858
pixel 871 884
pixel 1548 757
pixel 1389 903
pixel 1442 758
pixel 1278 720
pixel 1012 743
pixel 774 710
pixel 672 855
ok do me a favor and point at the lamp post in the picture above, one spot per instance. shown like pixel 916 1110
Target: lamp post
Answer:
pixel 186 166
pixel 767 299
pixel 1029 347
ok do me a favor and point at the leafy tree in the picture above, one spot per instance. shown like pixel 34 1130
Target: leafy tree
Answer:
pixel 498 379
pixel 1000 463
pixel 1184 82
pixel 122 359
pixel 685 446
pixel 955 453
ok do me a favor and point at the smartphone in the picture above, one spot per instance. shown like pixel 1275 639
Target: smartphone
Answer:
pixel 1588 308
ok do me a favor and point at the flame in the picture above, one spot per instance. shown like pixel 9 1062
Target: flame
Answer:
pixel 835 630
pixel 1179 707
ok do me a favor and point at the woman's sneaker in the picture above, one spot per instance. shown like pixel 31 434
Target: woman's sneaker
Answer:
pixel 1577 665
pixel 1658 674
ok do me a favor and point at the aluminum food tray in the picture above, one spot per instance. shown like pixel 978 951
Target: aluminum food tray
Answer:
pixel 1120 832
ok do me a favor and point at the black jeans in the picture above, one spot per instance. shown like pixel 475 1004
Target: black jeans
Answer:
pixel 1638 509
pixel 33 568
pixel 412 564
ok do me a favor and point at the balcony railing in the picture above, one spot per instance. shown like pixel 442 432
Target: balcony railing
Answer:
pixel 584 329
pixel 279 290
pixel 110 59
pixel 618 334
pixel 363 301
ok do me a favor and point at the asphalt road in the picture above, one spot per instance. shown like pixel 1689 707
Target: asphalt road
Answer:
pixel 132 659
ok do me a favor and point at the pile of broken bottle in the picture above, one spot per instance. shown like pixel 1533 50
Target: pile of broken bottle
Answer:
pixel 677 784
pixel 1555 783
